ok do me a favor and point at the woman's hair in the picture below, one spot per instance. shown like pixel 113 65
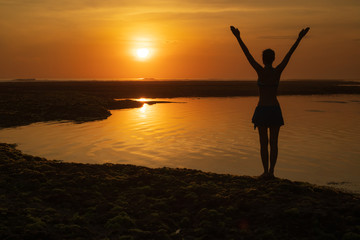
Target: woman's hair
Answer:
pixel 268 56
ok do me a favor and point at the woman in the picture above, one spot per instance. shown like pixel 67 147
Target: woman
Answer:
pixel 268 112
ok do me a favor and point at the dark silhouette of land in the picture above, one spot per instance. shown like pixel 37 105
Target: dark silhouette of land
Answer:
pixel 23 103
pixel 173 89
pixel 43 199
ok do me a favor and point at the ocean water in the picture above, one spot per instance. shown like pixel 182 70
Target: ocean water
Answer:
pixel 319 142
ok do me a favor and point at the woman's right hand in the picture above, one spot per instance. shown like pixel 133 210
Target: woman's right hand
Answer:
pixel 303 32
pixel 235 31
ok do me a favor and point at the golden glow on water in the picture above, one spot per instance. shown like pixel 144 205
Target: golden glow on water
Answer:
pixel 143 110
pixel 319 142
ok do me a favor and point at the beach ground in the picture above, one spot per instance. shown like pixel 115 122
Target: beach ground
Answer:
pixel 42 199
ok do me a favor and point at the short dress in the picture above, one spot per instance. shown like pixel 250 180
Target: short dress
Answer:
pixel 268 116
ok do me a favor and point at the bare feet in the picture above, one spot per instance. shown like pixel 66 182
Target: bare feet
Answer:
pixel 271 175
pixel 267 176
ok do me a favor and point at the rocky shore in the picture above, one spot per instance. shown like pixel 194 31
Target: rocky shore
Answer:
pixel 42 199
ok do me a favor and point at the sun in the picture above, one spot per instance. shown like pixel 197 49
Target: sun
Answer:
pixel 142 53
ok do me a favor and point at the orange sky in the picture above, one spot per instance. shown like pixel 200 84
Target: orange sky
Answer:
pixel 96 39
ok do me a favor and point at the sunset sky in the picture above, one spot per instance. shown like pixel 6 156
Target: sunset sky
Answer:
pixel 99 39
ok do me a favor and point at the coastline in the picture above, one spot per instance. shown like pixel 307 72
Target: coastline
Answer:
pixel 23 103
pixel 46 199
pixel 56 200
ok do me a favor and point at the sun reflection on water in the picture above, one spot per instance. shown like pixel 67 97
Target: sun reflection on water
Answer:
pixel 143 110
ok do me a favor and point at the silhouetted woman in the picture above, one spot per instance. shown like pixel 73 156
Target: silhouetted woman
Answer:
pixel 268 114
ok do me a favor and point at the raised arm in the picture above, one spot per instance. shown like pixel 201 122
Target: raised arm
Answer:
pixel 287 57
pixel 249 57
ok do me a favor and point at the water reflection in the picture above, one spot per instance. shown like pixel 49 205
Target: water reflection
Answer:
pixel 212 134
pixel 143 110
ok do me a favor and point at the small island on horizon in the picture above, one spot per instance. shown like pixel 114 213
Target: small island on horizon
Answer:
pixel 24 80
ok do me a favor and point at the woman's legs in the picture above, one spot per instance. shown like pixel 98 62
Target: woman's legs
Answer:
pixel 264 141
pixel 274 134
pixel 263 135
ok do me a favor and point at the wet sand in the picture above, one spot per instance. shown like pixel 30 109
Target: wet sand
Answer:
pixel 42 199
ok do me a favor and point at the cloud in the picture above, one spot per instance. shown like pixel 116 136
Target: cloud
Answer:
pixel 61 5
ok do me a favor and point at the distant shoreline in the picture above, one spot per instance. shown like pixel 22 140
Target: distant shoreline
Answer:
pixel 180 88
pixel 169 80
pixel 26 102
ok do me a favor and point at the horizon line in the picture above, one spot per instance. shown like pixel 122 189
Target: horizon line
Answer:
pixel 164 79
